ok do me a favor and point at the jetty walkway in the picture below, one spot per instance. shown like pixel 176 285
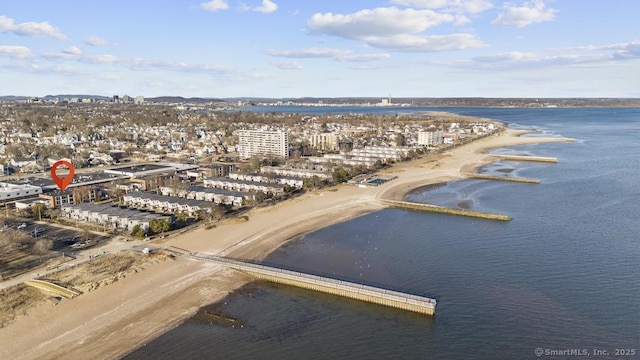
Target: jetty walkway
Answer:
pixel 525 158
pixel 406 205
pixel 396 299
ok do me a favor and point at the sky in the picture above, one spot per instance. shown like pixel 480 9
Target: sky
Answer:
pixel 328 48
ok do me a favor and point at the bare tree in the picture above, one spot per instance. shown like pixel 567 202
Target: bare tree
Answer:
pixel 81 194
pixel 42 246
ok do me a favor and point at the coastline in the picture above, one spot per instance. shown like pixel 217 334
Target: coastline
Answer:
pixel 115 320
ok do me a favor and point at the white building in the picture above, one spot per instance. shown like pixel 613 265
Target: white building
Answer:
pixel 325 141
pixel 428 138
pixel 284 171
pixel 263 143
pixel 10 191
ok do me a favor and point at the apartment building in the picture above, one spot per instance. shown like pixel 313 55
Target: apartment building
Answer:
pixel 263 143
pixel 325 141
pixel 429 138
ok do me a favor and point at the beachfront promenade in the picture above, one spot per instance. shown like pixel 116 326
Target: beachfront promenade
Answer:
pixel 343 288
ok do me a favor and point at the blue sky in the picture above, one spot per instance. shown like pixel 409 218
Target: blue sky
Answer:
pixel 333 48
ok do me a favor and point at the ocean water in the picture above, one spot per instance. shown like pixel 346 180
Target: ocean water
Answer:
pixel 563 274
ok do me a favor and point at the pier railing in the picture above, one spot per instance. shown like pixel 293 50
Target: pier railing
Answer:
pixel 343 288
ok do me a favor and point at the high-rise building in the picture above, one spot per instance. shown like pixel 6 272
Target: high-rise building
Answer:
pixel 429 138
pixel 263 143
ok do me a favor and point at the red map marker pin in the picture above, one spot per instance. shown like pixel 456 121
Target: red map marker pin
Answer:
pixel 62 182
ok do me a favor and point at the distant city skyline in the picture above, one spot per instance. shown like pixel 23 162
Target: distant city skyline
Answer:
pixel 286 48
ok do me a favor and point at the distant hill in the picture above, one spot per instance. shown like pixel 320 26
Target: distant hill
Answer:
pixel 460 102
pixel 10 98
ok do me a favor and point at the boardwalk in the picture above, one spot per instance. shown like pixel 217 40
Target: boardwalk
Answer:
pixel 347 289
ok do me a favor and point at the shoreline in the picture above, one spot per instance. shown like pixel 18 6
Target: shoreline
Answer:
pixel 141 307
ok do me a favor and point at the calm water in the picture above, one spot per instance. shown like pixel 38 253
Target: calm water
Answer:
pixel 564 273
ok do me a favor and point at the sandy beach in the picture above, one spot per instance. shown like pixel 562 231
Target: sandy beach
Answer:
pixel 114 320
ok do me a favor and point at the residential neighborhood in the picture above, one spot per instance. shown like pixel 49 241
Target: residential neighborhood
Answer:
pixel 136 162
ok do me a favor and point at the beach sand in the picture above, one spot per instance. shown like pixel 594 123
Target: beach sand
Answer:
pixel 114 320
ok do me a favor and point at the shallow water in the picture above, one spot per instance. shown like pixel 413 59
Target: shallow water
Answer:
pixel 563 274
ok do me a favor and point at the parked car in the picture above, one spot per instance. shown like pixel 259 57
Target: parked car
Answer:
pixel 37 232
pixel 21 226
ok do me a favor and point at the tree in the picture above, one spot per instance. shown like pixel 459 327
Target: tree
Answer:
pixel 340 175
pixel 216 212
pixel 159 225
pixel 312 182
pixel 182 217
pixel 81 194
pixel 38 211
pixel 137 231
pixel 42 246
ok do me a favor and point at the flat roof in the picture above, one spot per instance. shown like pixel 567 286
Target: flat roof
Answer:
pixel 217 191
pixel 83 179
pixel 246 182
pixel 107 209
pixel 151 168
pixel 170 199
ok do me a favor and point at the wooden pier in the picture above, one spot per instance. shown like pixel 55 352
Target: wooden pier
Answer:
pixel 399 300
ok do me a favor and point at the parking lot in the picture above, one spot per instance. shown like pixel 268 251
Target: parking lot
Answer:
pixel 63 237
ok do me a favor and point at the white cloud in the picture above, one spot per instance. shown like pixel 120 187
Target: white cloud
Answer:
pixel 519 59
pixel 455 6
pixel 307 53
pixel 426 43
pixel 289 65
pixel 335 54
pixel 376 22
pixel 363 57
pixel 15 52
pixel 100 59
pixel 30 28
pixel 579 56
pixel 72 50
pixel 628 51
pixel 214 5
pixel 267 7
pixel 528 13
pixel 394 28
pixel 95 41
